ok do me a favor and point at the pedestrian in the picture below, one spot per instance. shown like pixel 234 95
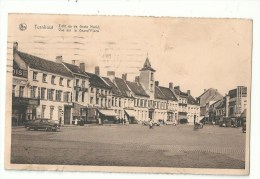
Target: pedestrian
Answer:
pixel 150 124
pixel 76 121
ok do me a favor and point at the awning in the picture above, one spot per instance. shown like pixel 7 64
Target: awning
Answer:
pixel 130 113
pixel 107 112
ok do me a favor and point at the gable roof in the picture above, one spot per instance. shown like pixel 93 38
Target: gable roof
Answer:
pixel 168 93
pixel 75 69
pixel 121 84
pixel 180 93
pixel 209 95
pixel 97 81
pixel 43 64
pixel 158 94
pixel 192 101
pixel 114 88
pixel 137 88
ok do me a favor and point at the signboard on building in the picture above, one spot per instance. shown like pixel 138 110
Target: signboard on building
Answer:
pixel 20 73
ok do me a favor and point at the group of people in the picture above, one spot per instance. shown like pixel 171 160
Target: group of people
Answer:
pixel 122 121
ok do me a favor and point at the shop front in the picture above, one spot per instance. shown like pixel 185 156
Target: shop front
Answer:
pixel 130 116
pixel 23 109
pixel 106 116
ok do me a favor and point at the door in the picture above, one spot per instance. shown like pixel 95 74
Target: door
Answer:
pixel 67 112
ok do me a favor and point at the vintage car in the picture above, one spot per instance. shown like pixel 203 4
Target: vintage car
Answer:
pixel 43 124
pixel 171 122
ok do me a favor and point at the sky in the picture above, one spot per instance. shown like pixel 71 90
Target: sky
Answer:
pixel 193 53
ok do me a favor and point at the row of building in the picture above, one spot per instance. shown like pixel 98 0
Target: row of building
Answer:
pixel 66 91
pixel 230 108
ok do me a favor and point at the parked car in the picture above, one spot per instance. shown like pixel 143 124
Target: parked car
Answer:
pixel 44 124
pixel 27 123
pixel 171 122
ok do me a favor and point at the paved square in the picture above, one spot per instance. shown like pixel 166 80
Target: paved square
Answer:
pixel 132 145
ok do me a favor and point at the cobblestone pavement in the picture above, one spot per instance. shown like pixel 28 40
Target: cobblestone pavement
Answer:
pixel 132 145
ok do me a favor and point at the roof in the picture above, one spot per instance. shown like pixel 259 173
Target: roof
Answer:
pixel 168 93
pixel 137 88
pixel 97 81
pixel 43 64
pixel 158 94
pixel 114 89
pixel 123 88
pixel 75 69
pixel 209 95
pixel 220 103
pixel 192 101
pixel 180 93
pixel 147 65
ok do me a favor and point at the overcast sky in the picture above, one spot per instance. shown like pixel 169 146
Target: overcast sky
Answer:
pixel 193 53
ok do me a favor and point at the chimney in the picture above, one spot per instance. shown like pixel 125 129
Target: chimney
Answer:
pixel 124 76
pixel 59 59
pixel 15 46
pixel 97 71
pixel 82 67
pixel 171 86
pixel 205 90
pixel 156 83
pixel 137 79
pixel 188 91
pixel 74 62
pixel 177 87
pixel 111 75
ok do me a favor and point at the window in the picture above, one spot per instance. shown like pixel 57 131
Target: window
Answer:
pixel 43 110
pixel 50 93
pixel 91 100
pixel 39 93
pixel 113 101
pixel 68 83
pixel 43 91
pixel 83 96
pixel 53 80
pixel 44 78
pixel 152 77
pixel 33 91
pixel 119 103
pixel 77 82
pixel 51 112
pixel 66 96
pixel 92 90
pixel 61 81
pixel 35 76
pixel 83 84
pixel 13 90
pixel 97 101
pixel 101 91
pixel 151 88
pixel 21 91
pixel 58 95
pixel 77 95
